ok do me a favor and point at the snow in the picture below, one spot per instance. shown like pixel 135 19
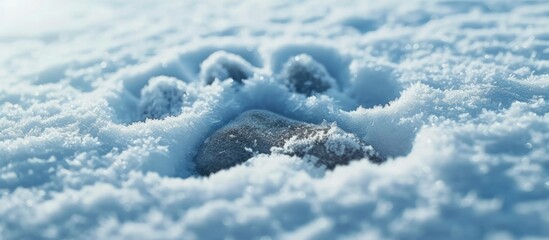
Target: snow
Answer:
pixel 304 75
pixel 222 66
pixel 162 97
pixel 103 107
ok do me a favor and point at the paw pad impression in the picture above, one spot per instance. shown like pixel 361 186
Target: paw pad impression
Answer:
pixel 222 65
pixel 161 97
pixel 304 75
pixel 259 131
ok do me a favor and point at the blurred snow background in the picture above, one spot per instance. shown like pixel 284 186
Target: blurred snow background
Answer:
pixel 455 92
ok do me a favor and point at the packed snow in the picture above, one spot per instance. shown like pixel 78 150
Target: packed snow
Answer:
pixel 104 105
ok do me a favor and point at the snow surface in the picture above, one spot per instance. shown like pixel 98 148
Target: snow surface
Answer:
pixel 454 92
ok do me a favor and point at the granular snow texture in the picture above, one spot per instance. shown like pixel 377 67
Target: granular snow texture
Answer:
pixel 104 104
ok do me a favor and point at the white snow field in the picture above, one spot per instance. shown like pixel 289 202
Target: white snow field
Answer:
pixel 104 104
